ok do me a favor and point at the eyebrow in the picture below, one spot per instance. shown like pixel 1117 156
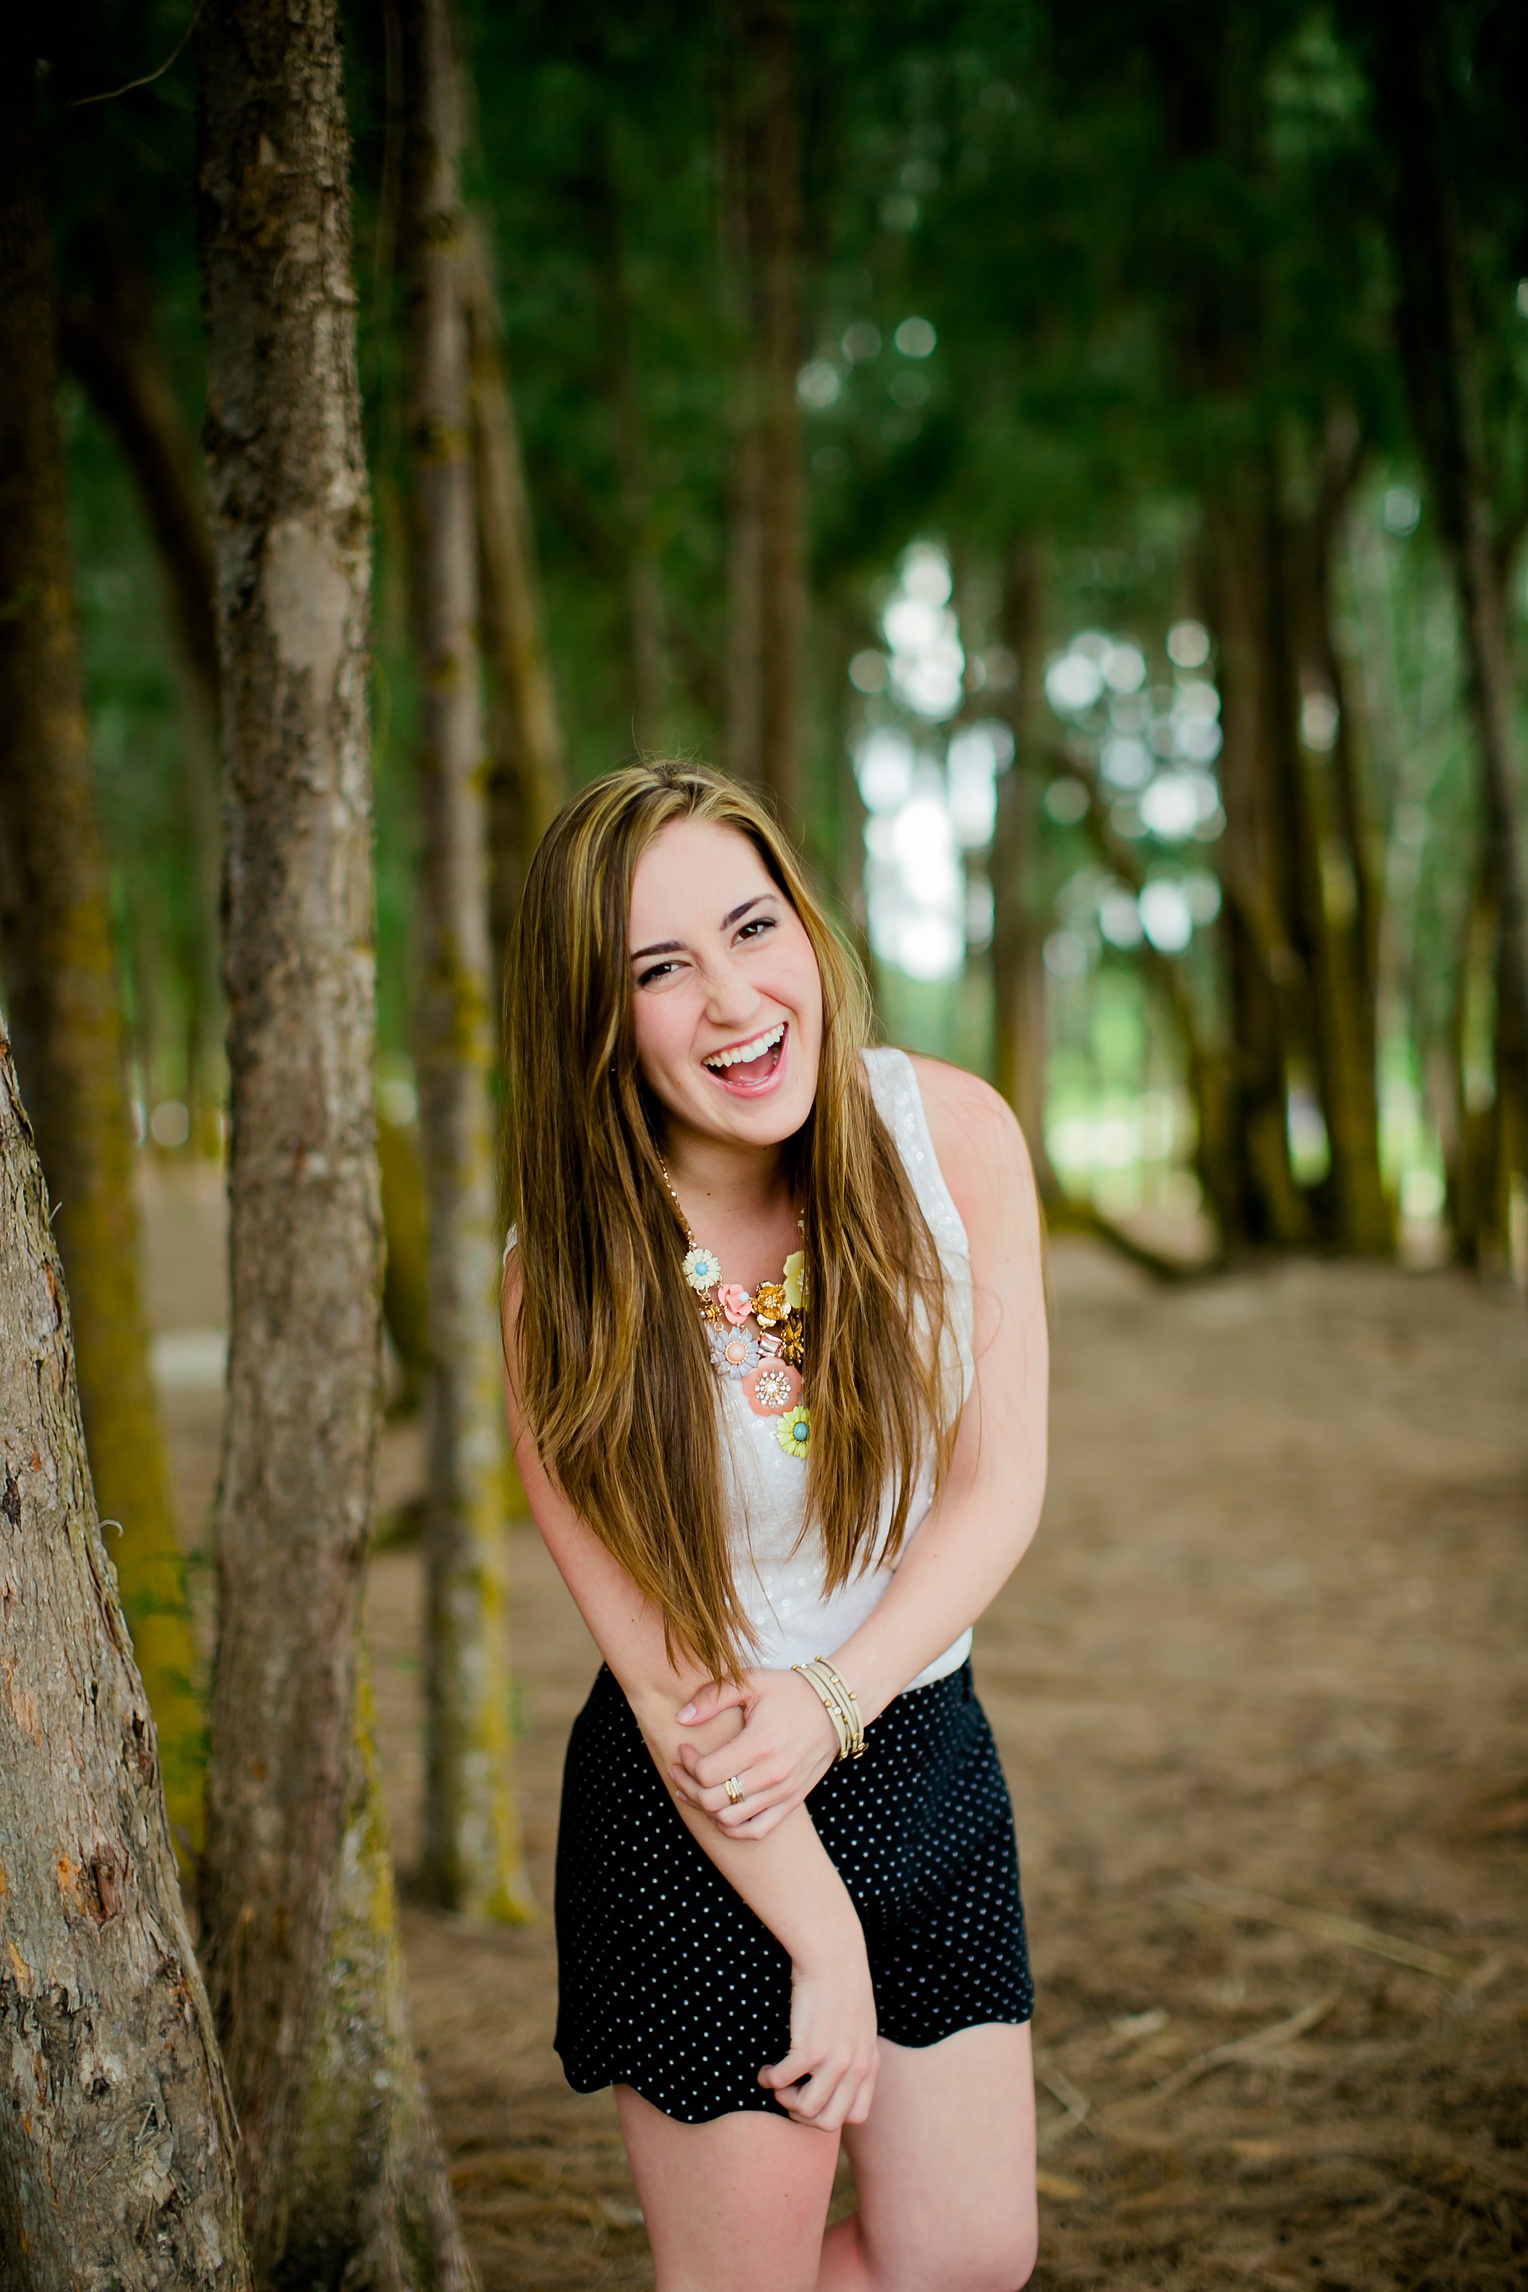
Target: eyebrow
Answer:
pixel 676 946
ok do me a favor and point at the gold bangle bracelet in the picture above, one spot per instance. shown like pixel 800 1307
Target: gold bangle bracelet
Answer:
pixel 848 1704
pixel 829 1702
pixel 838 1700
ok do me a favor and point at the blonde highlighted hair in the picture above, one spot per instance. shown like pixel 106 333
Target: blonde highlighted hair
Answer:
pixel 610 1353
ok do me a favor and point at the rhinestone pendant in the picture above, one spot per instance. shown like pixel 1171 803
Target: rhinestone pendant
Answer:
pixel 772 1388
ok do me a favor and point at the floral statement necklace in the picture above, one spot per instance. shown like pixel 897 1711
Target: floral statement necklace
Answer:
pixel 766 1360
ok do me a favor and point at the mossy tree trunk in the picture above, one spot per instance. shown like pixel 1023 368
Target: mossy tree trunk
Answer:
pixel 59 961
pixel 116 2131
pixel 342 2174
pixel 473 1858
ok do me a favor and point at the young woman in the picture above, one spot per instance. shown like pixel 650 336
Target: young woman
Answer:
pixel 776 1341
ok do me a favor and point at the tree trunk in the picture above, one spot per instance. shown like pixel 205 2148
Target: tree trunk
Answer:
pixel 1471 1132
pixel 1265 978
pixel 1018 925
pixel 342 2176
pixel 1206 1067
pixel 527 774
pixel 1324 1028
pixel 60 963
pixel 1345 894
pixel 644 583
pixel 1436 330
pixel 116 2131
pixel 473 1860
pixel 110 342
pixel 768 555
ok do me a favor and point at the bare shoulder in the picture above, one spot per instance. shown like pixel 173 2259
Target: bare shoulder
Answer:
pixel 978 1141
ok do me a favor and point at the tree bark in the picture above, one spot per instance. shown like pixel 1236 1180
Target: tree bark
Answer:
pixel 527 774
pixel 1018 932
pixel 60 964
pixel 342 2175
pixel 116 2130
pixel 473 1860
pixel 767 599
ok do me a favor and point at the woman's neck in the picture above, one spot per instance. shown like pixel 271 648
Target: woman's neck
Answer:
pixel 725 1176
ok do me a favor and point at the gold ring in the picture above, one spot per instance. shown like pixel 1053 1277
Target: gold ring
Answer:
pixel 734 1790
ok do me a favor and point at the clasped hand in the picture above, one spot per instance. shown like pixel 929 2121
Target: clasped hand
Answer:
pixel 785 1746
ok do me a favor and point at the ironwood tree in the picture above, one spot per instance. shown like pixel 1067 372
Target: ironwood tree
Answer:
pixel 339 2160
pixel 473 1860
pixel 116 2129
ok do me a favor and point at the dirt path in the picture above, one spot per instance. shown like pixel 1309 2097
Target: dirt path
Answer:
pixel 1264 1671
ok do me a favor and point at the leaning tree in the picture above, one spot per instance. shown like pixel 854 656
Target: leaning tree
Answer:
pixel 116 2132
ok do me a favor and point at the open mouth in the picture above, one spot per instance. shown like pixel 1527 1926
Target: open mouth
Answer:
pixel 751 1066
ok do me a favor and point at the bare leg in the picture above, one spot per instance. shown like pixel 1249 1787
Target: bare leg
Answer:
pixel 945 2167
pixel 738 2203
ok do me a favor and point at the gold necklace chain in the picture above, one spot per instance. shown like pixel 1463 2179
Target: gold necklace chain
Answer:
pixel 774 1305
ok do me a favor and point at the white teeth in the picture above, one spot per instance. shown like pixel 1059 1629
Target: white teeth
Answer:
pixel 746 1051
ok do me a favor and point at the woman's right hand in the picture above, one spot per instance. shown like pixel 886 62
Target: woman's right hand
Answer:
pixel 828 2077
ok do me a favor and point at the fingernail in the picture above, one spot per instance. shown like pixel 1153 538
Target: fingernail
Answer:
pixel 687 1713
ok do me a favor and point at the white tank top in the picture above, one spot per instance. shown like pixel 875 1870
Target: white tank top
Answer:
pixel 779 1569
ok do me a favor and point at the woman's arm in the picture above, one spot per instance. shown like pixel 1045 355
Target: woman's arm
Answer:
pixel 980 1529
pixel 788 1880
pixel 977 1532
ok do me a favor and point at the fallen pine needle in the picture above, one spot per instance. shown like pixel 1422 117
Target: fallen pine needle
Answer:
pixel 1323 1926
pixel 1076 2104
pixel 1248 2048
pixel 1058 2186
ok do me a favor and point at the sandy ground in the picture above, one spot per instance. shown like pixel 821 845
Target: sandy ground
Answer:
pixel 1260 1691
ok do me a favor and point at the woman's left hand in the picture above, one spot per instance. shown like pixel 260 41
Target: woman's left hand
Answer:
pixel 786 1745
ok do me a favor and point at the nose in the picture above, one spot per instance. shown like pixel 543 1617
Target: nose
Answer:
pixel 732 999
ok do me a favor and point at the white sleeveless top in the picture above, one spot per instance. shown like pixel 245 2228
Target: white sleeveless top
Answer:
pixel 779 1571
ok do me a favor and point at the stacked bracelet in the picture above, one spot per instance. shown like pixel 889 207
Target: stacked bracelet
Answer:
pixel 838 1701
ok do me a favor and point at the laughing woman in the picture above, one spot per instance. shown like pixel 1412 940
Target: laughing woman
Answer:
pixel 776 1340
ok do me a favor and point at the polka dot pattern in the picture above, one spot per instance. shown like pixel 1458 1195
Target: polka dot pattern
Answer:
pixel 671 1984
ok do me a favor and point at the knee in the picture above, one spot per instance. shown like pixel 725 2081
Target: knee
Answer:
pixel 1003 2263
pixel 1008 2271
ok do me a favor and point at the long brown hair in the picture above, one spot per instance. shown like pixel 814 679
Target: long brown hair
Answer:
pixel 610 1351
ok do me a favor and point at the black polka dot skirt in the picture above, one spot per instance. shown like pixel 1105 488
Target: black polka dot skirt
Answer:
pixel 671 1984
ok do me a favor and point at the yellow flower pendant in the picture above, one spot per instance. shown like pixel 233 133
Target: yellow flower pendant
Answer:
pixel 794 1431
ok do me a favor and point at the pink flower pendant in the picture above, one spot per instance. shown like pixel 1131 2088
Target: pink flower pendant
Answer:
pixel 772 1388
pixel 735 1302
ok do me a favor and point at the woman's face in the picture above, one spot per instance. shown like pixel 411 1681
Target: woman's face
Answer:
pixel 726 995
